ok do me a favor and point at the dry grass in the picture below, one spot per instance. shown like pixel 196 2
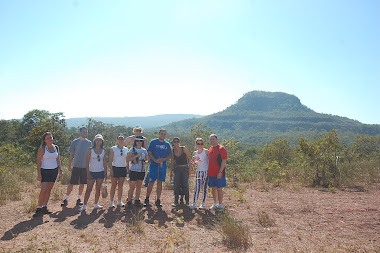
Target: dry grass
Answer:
pixel 264 219
pixel 136 222
pixel 234 233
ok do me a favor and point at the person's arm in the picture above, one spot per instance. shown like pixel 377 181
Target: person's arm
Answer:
pixel 207 152
pixel 105 166
pixel 40 154
pixel 71 156
pixel 131 157
pixel 151 157
pixel 111 160
pixel 222 166
pixel 59 163
pixel 172 166
pixel 88 157
pixel 145 142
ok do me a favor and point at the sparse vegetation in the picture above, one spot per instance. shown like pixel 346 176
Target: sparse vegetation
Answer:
pixel 264 219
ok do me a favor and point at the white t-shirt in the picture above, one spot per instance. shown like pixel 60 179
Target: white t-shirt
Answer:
pixel 139 165
pixel 96 161
pixel 119 156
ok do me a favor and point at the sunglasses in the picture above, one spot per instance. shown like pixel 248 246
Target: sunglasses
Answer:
pixel 175 141
pixel 121 152
pixel 98 158
pixel 139 141
pixel 200 144
pixel 137 130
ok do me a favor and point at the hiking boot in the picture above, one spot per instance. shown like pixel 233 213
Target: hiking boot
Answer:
pixel 146 202
pixel 45 210
pixel 79 202
pixel 64 202
pixel 158 203
pixel 37 213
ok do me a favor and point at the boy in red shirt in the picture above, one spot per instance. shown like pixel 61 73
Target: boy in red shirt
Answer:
pixel 217 164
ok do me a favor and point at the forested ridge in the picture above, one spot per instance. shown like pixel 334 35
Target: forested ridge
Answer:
pixel 260 117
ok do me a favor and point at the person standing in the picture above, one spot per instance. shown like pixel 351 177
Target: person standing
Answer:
pixel 200 157
pixel 96 167
pixel 137 157
pixel 182 167
pixel 216 171
pixel 118 170
pixel 159 152
pixel 130 140
pixel 48 167
pixel 78 152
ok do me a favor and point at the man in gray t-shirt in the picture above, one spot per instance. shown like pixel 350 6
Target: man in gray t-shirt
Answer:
pixel 78 150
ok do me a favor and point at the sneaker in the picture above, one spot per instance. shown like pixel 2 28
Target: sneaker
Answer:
pixel 129 204
pixel 98 206
pixel 175 204
pixel 82 208
pixel 120 203
pixel 37 213
pixel 146 202
pixel 158 203
pixel 214 207
pixel 112 204
pixel 45 210
pixel 220 207
pixel 138 203
pixel 79 202
pixel 193 206
pixel 64 202
pixel 202 206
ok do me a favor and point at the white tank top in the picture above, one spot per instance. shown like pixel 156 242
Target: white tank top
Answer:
pixel 95 164
pixel 49 160
pixel 202 161
pixel 119 156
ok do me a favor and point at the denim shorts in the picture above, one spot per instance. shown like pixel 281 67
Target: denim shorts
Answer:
pixel 97 175
pixel 215 182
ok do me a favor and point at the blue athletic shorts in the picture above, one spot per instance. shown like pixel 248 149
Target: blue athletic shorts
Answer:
pixel 157 173
pixel 215 182
pixel 97 175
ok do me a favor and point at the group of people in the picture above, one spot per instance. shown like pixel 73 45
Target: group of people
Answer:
pixel 88 165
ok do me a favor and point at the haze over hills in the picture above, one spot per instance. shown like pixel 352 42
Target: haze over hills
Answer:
pixel 259 117
pixel 145 122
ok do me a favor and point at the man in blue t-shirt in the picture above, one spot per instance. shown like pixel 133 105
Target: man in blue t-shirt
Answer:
pixel 159 152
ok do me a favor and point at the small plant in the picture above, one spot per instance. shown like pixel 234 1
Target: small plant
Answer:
pixel 264 219
pixel 332 189
pixel 136 222
pixel 57 192
pixel 235 234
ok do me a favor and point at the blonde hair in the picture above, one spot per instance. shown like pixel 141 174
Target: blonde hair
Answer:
pixel 198 139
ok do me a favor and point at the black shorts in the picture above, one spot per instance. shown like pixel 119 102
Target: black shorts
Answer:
pixel 134 176
pixel 119 171
pixel 49 175
pixel 78 176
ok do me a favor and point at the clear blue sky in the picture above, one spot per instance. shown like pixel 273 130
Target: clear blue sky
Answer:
pixel 141 58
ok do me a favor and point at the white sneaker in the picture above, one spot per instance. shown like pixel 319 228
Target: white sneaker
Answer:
pixel 82 208
pixel 194 205
pixel 112 204
pixel 98 206
pixel 214 207
pixel 120 203
pixel 220 206
pixel 202 206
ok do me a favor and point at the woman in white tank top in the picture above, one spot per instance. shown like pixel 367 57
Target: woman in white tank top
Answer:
pixel 200 157
pixel 48 167
pixel 96 167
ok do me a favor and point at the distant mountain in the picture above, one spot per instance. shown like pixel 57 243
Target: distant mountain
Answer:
pixel 259 117
pixel 145 122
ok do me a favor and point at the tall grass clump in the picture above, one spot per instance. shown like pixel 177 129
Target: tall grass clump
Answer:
pixel 234 233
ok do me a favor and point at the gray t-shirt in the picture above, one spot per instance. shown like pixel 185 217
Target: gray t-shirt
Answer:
pixel 80 148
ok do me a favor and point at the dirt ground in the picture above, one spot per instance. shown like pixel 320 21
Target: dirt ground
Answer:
pixel 279 220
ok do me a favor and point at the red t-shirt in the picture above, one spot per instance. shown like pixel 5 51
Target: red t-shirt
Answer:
pixel 213 166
